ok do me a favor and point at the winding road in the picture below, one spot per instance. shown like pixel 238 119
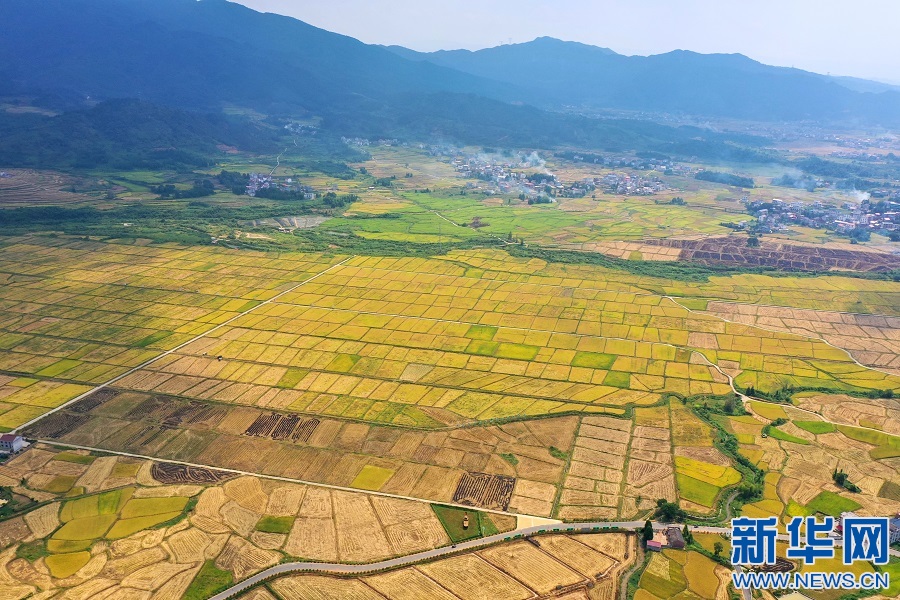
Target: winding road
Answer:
pixel 402 561
pixel 427 555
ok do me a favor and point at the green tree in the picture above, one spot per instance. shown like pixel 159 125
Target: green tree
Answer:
pixel 669 511
pixel 647 532
pixel 717 548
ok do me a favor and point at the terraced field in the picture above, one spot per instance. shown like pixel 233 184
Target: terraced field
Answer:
pixel 27 187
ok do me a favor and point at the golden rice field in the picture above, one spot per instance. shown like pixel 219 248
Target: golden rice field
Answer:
pixel 74 314
pixel 404 375
pixel 497 341
pixel 575 567
pixel 873 340
pixel 679 573
pixel 802 455
pixel 121 531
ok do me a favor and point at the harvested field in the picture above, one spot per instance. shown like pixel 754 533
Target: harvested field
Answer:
pixel 871 339
pixel 370 377
pixel 614 545
pixel 485 491
pixel 482 581
pixel 532 567
pixel 359 535
pixel 244 559
pixel 322 525
pixel 248 492
pixel 172 473
pixel 883 414
pixel 584 559
pixel 44 520
pixel 413 536
pixel 539 574
pixel 313 538
pixel 731 251
pixel 408 584
pixel 285 501
pixel 13 530
pixel 189 545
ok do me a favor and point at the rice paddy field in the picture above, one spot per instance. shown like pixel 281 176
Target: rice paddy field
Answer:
pixel 472 378
pixel 801 456
pixel 73 317
pixel 419 390
pixel 873 340
pixel 684 574
pixel 130 527
pixel 574 567
pixel 429 202
pixel 218 411
pixel 570 223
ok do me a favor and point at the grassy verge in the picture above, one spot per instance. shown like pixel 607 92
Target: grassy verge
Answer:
pixel 209 581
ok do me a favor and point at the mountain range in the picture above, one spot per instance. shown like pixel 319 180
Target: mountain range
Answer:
pixel 212 54
pixel 554 73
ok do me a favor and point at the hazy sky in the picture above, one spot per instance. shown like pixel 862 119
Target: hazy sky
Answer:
pixel 843 37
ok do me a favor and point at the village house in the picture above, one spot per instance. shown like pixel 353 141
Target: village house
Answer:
pixel 675 538
pixel 11 443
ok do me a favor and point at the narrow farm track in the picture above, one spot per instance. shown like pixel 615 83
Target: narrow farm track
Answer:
pixel 676 346
pixel 747 398
pixel 782 331
pixel 271 477
pixel 180 346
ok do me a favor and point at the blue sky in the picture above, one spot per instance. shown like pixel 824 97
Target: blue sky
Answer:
pixel 843 37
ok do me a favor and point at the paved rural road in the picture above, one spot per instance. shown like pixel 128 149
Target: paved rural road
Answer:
pixel 402 561
pixel 418 557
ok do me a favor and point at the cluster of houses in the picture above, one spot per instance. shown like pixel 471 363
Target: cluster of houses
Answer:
pixel 486 169
pixel 259 181
pixel 506 177
pixel 882 143
pixel 364 142
pixel 778 214
pixel 301 129
pixel 631 184
pixel 658 163
pixel 499 177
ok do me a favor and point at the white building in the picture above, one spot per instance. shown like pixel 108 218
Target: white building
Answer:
pixel 11 443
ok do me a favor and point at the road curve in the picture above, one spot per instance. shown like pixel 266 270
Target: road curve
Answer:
pixel 403 561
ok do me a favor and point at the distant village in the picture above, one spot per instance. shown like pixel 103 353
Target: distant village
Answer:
pixel 777 215
pixel 365 143
pixel 508 175
pixel 259 182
